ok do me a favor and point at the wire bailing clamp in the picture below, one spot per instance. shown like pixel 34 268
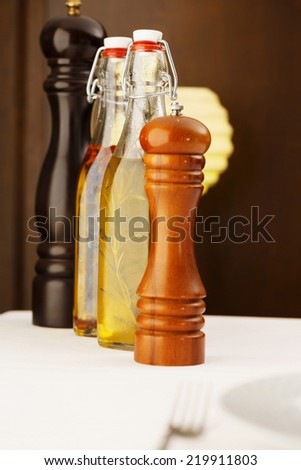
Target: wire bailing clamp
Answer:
pixel 172 87
pixel 92 83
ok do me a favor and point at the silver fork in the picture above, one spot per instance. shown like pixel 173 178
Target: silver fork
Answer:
pixel 188 413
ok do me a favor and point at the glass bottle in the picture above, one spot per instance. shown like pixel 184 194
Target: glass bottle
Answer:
pixel 124 240
pixel 110 119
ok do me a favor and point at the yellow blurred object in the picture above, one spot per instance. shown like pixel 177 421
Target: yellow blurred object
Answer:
pixel 203 104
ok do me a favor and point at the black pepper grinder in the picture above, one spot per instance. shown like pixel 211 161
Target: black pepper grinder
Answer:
pixel 69 43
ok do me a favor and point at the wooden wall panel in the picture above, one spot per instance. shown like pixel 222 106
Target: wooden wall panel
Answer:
pixel 9 127
pixel 36 133
pixel 24 136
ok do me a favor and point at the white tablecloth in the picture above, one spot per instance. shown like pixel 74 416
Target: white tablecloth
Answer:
pixel 60 391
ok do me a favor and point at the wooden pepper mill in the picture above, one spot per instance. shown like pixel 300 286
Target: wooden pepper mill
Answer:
pixel 171 292
pixel 69 43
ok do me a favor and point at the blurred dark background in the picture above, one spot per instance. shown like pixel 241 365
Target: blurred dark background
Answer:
pixel 248 52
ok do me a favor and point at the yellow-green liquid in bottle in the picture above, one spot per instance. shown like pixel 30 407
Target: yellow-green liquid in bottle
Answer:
pixel 123 250
pixel 86 240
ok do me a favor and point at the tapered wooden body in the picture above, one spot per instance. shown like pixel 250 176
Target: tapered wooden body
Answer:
pixel 171 292
pixel 69 43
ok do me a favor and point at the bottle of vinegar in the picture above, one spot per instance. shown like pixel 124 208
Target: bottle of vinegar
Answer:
pixel 124 229
pixel 110 120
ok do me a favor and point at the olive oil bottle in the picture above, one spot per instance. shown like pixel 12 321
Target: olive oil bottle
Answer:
pixel 110 119
pixel 124 221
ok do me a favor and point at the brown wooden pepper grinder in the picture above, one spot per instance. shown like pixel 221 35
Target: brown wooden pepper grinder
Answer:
pixel 69 43
pixel 171 292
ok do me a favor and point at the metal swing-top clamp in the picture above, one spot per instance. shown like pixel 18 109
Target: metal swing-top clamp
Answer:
pixel 92 83
pixel 93 88
pixel 172 87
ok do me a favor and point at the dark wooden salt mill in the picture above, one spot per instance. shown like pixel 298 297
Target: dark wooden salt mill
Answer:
pixel 171 292
pixel 69 43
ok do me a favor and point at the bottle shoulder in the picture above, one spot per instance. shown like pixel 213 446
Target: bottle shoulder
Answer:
pixel 139 113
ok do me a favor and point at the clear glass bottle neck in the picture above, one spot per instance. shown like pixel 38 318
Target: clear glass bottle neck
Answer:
pixel 145 87
pixel 110 106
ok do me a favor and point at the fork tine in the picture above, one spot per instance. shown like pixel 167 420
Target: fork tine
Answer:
pixel 179 410
pixel 171 422
pixel 191 404
pixel 200 410
pixel 188 400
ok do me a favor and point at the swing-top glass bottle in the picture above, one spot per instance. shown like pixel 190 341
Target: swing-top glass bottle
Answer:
pixel 124 228
pixel 110 111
